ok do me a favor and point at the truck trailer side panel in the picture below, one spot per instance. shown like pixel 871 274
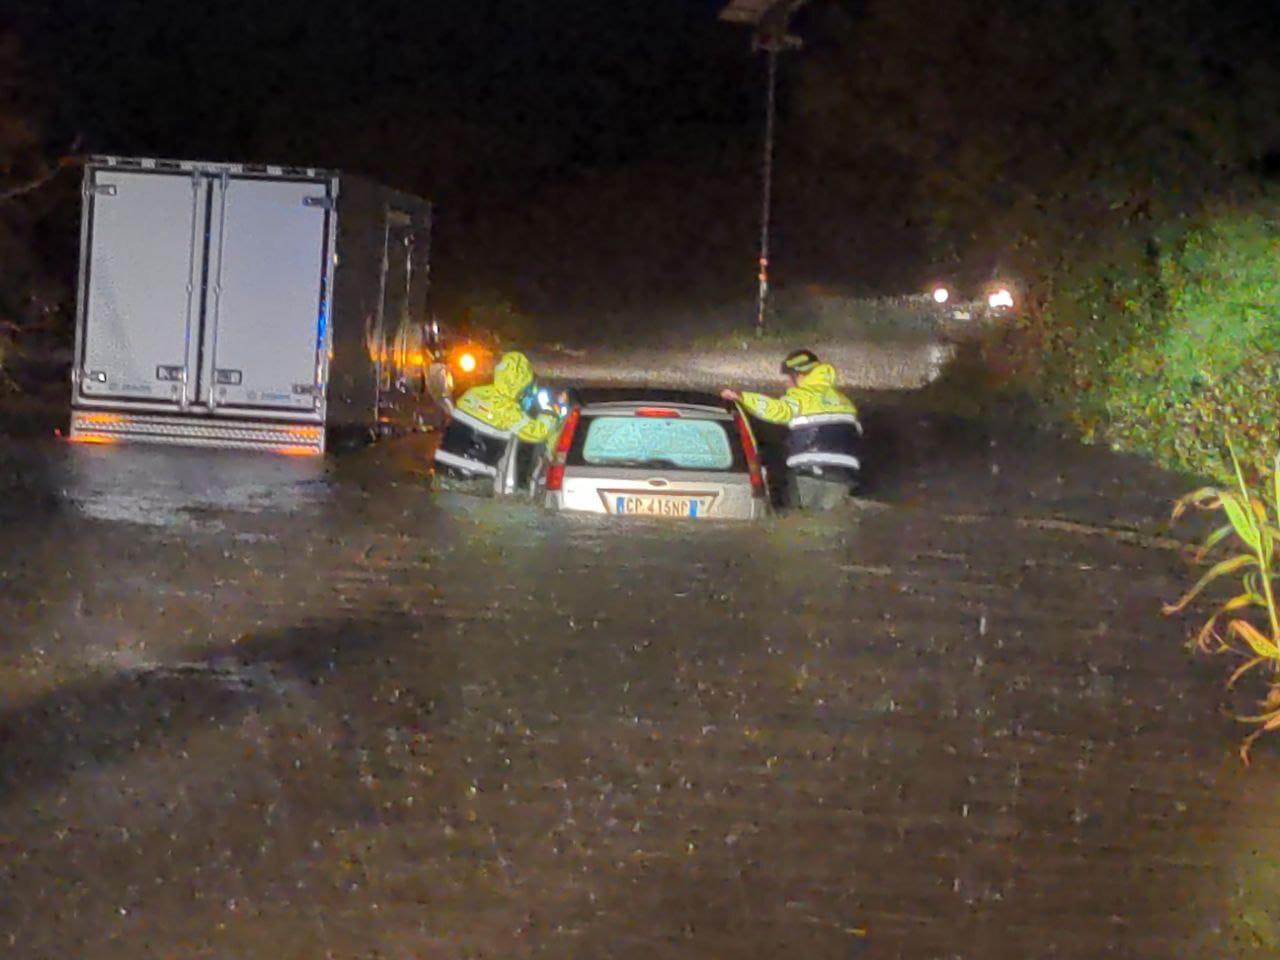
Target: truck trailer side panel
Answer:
pixel 139 285
pixel 402 380
pixel 353 376
pixel 266 331
pixel 380 306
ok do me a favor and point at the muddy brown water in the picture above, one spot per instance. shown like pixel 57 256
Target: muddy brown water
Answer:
pixel 262 708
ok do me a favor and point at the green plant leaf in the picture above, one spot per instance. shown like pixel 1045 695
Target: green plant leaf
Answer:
pixel 1222 569
pixel 1235 604
pixel 1266 538
pixel 1206 498
pixel 1243 669
pixel 1235 463
pixel 1241 516
pixel 1275 481
pixel 1262 645
pixel 1253 582
pixel 1213 540
pixel 1269 721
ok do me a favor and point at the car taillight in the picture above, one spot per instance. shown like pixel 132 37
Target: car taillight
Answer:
pixel 555 473
pixel 753 456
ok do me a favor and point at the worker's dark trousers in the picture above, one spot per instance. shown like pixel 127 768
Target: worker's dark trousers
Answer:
pixel 819 492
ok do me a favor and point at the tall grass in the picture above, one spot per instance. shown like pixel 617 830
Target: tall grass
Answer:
pixel 1251 540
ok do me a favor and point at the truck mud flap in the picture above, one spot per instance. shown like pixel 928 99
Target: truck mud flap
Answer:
pixel 122 427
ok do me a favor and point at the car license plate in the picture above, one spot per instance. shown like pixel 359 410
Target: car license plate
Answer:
pixel 652 505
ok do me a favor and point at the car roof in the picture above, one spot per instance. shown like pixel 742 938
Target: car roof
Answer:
pixel 597 396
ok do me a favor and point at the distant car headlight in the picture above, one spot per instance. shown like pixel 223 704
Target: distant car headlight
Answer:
pixel 941 294
pixel 1001 299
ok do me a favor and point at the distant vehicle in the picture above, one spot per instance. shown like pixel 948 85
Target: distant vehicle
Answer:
pixel 967 303
pixel 652 453
pixel 256 307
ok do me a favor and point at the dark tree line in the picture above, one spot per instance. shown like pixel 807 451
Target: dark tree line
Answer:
pixel 1020 130
pixel 590 155
pixel 36 200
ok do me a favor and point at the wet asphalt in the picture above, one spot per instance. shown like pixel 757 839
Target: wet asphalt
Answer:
pixel 254 707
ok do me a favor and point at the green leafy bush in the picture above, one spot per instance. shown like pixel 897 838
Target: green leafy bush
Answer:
pixel 1161 344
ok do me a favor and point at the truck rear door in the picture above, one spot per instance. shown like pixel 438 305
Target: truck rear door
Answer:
pixel 267 326
pixel 145 238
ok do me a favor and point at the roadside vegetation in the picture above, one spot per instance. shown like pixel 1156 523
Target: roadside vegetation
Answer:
pixel 1141 220
pixel 1246 546
pixel 37 228
pixel 1161 349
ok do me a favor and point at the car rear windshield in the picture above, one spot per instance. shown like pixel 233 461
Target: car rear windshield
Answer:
pixel 669 443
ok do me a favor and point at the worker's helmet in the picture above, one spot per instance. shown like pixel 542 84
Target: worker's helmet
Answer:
pixel 799 362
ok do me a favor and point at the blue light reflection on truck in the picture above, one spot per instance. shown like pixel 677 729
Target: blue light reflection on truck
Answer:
pixel 322 323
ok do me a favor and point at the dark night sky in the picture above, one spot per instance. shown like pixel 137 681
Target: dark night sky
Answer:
pixel 495 107
pixel 600 82
pixel 589 153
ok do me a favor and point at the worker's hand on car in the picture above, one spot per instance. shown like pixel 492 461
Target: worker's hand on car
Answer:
pixel 733 396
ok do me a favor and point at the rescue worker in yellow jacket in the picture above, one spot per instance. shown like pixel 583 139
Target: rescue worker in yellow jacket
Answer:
pixel 824 435
pixel 487 419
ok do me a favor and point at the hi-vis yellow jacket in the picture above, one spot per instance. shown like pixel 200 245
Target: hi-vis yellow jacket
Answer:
pixel 486 418
pixel 498 404
pixel 824 433
pixel 815 394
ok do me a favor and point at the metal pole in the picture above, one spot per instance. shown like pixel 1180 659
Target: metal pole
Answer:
pixel 767 191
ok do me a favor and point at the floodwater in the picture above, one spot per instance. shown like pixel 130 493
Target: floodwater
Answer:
pixel 284 708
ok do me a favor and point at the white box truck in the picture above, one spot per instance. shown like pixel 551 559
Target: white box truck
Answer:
pixel 253 307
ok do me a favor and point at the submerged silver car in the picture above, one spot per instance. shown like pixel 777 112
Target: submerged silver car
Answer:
pixel 655 453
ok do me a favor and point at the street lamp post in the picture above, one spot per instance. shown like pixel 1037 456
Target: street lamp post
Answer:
pixel 770 20
pixel 766 188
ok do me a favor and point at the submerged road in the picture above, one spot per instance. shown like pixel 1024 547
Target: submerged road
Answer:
pixel 261 708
